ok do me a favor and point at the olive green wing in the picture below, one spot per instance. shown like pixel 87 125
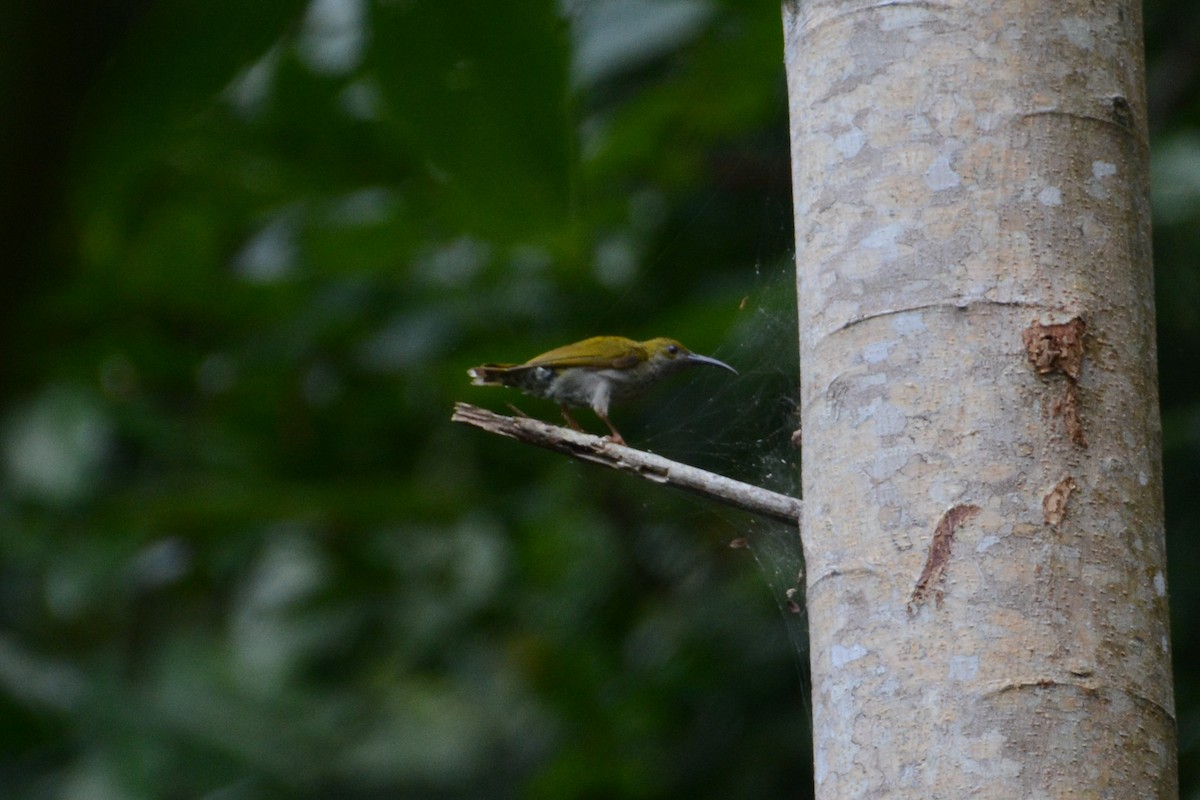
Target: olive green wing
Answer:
pixel 599 352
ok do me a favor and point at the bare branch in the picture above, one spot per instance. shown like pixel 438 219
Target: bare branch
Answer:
pixel 597 450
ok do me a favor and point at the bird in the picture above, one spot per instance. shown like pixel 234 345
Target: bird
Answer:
pixel 595 372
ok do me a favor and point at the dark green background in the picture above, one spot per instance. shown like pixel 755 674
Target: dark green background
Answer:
pixel 251 249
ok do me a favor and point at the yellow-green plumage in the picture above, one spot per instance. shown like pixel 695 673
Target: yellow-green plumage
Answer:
pixel 594 372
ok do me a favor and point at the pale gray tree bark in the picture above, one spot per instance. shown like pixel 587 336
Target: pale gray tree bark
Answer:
pixel 983 519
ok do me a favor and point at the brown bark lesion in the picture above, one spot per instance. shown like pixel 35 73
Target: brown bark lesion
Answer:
pixel 938 557
pixel 1058 349
pixel 1054 503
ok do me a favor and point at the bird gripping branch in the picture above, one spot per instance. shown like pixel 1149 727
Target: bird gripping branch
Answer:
pixel 595 373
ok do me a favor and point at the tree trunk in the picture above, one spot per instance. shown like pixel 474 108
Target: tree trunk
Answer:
pixel 983 515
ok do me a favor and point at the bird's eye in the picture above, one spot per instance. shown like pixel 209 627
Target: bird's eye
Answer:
pixel 672 349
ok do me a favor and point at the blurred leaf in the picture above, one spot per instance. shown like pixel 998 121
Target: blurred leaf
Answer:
pixel 481 93
pixel 178 56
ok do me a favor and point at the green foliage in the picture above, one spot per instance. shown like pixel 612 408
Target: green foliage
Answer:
pixel 246 553
pixel 1175 176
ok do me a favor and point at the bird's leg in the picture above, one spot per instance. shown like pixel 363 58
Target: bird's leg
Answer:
pixel 616 437
pixel 517 411
pixel 570 420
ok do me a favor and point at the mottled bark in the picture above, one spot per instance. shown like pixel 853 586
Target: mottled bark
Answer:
pixel 983 517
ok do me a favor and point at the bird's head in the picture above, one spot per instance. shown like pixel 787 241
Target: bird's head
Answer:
pixel 664 356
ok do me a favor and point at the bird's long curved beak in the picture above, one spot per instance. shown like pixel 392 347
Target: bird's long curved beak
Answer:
pixel 712 362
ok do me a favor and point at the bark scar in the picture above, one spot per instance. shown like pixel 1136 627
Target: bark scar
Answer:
pixel 1054 504
pixel 1059 349
pixel 930 581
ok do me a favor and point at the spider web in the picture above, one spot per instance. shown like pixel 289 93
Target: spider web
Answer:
pixel 742 427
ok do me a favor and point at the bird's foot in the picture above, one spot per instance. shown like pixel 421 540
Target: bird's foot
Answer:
pixel 571 420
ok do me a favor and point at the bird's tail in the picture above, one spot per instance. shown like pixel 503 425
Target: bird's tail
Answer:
pixel 490 375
